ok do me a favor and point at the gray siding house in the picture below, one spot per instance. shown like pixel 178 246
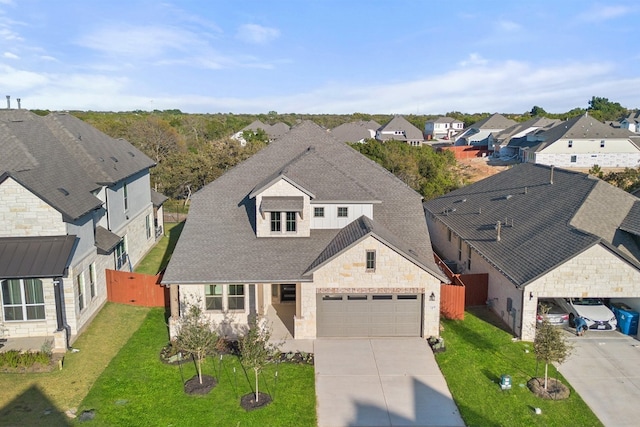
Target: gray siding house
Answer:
pixel 313 236
pixel 73 202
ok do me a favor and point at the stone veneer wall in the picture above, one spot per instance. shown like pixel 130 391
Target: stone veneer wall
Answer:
pixel 597 272
pixel 347 273
pixel 24 214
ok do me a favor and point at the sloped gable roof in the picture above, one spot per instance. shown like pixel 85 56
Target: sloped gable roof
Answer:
pixel 354 233
pixel 494 121
pixel 219 245
pixel 399 123
pixel 539 220
pixel 532 124
pixel 57 157
pixel 583 127
pixel 355 131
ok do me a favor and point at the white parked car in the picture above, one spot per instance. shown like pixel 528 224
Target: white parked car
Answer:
pixel 597 315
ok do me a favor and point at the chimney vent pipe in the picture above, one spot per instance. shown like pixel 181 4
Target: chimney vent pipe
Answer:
pixel 8 102
pixel 18 99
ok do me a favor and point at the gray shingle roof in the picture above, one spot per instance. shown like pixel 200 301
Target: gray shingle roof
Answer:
pixel 494 121
pixel 219 244
pixel 539 220
pixel 58 157
pixel 105 240
pixel 582 127
pixel 355 131
pixel 536 122
pixel 399 123
pixel 158 198
pixel 631 223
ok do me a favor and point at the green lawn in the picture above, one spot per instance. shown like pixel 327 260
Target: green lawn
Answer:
pixel 158 257
pixel 42 398
pixel 478 354
pixel 138 389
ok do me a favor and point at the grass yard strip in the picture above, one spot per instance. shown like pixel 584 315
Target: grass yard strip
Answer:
pixel 138 389
pixel 158 257
pixel 24 398
pixel 477 354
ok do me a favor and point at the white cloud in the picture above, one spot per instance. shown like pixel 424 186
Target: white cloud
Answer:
pixel 10 55
pixel 474 59
pixel 145 42
pixel 509 26
pixel 600 13
pixel 257 34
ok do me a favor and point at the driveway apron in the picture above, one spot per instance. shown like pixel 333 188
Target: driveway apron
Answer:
pixel 381 382
pixel 603 369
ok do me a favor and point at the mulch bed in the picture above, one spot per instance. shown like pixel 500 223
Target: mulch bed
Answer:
pixel 555 389
pixel 193 386
pixel 248 401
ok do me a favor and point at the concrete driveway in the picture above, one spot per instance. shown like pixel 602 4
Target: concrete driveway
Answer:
pixel 381 382
pixel 604 369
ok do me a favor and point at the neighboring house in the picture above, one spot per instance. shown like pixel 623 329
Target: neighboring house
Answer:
pixel 540 232
pixel 581 142
pixel 506 143
pixel 312 235
pixel 478 133
pixel 355 131
pixel 273 132
pixel 73 202
pixel 631 122
pixel 399 129
pixel 443 128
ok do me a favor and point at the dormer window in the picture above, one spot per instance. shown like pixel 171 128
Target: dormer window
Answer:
pixel 291 222
pixel 276 222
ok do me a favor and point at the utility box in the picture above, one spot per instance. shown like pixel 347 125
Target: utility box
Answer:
pixel 505 382
pixel 627 318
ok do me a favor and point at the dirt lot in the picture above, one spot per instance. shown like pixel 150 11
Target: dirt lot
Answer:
pixel 478 168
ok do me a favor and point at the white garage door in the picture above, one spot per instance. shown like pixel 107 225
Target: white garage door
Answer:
pixel 369 315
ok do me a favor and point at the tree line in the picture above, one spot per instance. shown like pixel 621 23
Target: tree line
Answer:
pixel 192 150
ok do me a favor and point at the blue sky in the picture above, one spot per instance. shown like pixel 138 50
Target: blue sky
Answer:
pixel 319 56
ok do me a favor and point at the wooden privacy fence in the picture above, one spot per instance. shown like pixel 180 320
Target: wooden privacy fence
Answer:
pixel 136 289
pixel 465 290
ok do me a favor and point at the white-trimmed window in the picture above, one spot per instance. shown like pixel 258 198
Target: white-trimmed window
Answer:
pixel 276 224
pixel 371 260
pixel 236 297
pixel 318 212
pixel 468 257
pixel 213 297
pixel 224 297
pixel 121 253
pixel 148 226
pixel 80 291
pixel 22 299
pixel 459 248
pixel 291 222
pixel 570 144
pixel 343 212
pixel 92 280
pixel 574 159
pixel 125 193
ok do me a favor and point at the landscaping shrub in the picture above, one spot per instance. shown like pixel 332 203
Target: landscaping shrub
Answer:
pixel 23 359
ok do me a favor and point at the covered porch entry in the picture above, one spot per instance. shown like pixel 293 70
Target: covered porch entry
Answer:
pixel 281 308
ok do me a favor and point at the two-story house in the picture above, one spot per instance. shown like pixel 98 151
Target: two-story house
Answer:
pixel 312 234
pixel 73 202
pixel 443 128
pixel 582 142
pixel 478 133
pixel 631 122
pixel 354 132
pixel 399 129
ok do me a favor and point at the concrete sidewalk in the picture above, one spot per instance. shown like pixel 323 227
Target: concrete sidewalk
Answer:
pixel 381 382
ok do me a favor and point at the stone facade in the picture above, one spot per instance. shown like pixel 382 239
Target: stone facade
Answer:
pixel 347 273
pixel 22 213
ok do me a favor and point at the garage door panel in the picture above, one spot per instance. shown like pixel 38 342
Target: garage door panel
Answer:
pixel 368 315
